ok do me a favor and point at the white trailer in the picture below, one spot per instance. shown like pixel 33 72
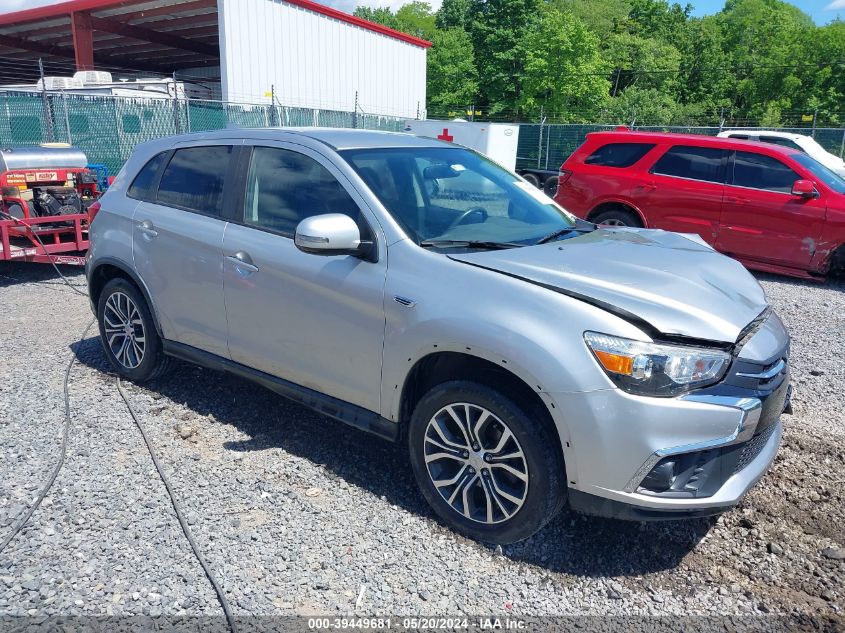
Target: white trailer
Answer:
pixel 497 141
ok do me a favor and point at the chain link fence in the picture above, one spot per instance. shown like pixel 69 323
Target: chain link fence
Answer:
pixel 108 128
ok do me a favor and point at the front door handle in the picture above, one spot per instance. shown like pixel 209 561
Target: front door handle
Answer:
pixel 148 229
pixel 243 263
pixel 648 186
pixel 735 200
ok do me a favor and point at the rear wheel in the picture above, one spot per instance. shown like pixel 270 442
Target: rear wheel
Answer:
pixel 127 332
pixel 617 216
pixel 532 179
pixel 483 465
pixel 837 262
pixel 550 186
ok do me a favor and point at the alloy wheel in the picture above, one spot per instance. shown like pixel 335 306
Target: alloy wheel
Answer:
pixel 124 330
pixel 476 463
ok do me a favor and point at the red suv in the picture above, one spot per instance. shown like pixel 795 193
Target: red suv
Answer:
pixel 773 208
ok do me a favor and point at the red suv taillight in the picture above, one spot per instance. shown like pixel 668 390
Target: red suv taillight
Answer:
pixel 563 175
pixel 93 210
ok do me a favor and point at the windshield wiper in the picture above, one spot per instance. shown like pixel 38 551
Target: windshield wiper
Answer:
pixel 468 244
pixel 578 228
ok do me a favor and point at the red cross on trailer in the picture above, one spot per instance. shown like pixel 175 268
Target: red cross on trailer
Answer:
pixel 445 136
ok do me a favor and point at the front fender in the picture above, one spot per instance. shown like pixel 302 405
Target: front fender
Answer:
pixel 533 332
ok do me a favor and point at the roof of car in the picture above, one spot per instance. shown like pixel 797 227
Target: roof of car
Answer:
pixel 336 138
pixel 790 135
pixel 693 139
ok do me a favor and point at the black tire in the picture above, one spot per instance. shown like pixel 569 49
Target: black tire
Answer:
pixel 617 216
pixel 532 178
pixel 550 186
pixel 153 362
pixel 546 476
pixel 837 262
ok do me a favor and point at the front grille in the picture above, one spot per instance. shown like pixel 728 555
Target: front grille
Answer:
pixel 753 447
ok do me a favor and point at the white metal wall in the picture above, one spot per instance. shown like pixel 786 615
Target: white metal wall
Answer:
pixel 316 61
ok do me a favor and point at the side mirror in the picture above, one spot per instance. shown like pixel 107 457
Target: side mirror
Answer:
pixel 329 234
pixel 804 189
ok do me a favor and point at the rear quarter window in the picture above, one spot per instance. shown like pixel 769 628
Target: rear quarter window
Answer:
pixel 141 187
pixel 618 154
pixel 783 142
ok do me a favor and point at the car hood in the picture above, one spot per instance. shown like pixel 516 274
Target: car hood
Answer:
pixel 675 283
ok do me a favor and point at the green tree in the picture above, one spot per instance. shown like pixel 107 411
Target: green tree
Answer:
pixel 643 105
pixel 824 52
pixel 705 79
pixel 496 28
pixel 417 19
pixel 644 62
pixel 452 79
pixel 602 17
pixel 452 13
pixel 763 39
pixel 657 19
pixel 382 15
pixel 563 70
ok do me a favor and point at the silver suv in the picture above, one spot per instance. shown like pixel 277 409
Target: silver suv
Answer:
pixel 418 291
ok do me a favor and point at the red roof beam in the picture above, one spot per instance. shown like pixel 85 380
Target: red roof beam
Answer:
pixel 150 35
pixel 62 8
pixel 83 43
pixel 166 11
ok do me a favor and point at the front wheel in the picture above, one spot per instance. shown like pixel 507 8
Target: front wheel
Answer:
pixel 487 468
pixel 127 332
pixel 617 217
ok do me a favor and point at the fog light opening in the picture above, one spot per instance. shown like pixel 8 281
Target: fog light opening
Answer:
pixel 661 477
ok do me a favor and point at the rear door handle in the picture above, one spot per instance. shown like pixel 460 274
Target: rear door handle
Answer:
pixel 147 228
pixel 243 263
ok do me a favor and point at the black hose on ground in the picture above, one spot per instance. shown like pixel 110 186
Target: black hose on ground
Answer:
pixel 22 521
pixel 221 596
pixel 62 453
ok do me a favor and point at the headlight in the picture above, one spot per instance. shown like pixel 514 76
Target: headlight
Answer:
pixel 654 369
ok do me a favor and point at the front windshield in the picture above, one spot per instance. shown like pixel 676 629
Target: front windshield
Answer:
pixel 453 194
pixel 822 173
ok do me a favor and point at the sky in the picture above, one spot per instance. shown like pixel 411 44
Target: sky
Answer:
pixel 822 11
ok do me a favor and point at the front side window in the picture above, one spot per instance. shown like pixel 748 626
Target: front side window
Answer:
pixel 141 187
pixel 193 179
pixel 444 193
pixel 285 187
pixel 694 163
pixel 618 154
pixel 757 171
pixel 822 173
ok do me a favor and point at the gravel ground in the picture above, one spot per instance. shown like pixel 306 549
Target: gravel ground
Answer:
pixel 298 514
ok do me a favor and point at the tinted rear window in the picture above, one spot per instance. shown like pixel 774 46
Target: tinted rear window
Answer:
pixel 193 179
pixel 141 187
pixel 757 171
pixel 696 163
pixel 618 154
pixel 784 142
